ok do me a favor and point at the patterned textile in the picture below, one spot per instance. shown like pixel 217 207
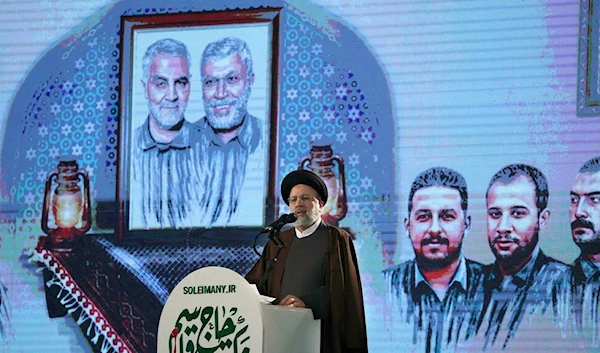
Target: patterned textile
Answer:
pixel 161 268
pixel 5 314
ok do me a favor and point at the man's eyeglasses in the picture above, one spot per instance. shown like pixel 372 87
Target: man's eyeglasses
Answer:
pixel 303 198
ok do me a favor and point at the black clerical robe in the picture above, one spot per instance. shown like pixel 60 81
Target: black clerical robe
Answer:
pixel 343 328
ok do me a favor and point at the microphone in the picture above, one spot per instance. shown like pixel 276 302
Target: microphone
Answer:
pixel 285 219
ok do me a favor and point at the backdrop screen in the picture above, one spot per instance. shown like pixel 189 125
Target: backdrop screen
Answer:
pixel 459 142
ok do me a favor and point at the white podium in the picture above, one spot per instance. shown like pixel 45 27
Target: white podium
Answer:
pixel 214 309
pixel 290 330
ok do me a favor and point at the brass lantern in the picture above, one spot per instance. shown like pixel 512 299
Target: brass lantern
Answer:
pixel 67 194
pixel 330 167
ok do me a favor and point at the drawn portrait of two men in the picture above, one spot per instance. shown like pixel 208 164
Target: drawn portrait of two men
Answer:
pixel 199 127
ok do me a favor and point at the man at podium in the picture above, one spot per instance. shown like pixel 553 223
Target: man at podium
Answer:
pixel 317 269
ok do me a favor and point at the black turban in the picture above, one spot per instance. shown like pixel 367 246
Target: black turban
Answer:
pixel 305 177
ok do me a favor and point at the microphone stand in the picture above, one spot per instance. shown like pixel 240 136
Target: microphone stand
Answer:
pixel 274 236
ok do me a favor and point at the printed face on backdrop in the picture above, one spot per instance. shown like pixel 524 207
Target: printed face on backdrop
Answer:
pixel 226 89
pixel 305 204
pixel 513 223
pixel 167 89
pixel 584 211
pixel 436 226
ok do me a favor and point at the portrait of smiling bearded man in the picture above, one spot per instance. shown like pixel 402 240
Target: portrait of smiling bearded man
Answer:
pixel 432 296
pixel 232 143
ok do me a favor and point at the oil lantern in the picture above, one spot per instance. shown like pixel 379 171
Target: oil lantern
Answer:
pixel 330 167
pixel 66 215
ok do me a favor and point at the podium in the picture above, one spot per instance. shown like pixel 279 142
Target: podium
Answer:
pixel 214 309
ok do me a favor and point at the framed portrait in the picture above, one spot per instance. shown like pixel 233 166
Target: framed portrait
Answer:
pixel 197 122
pixel 588 68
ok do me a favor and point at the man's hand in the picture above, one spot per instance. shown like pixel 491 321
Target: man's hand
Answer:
pixel 292 301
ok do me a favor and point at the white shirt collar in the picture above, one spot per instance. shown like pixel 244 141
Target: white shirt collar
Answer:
pixel 308 231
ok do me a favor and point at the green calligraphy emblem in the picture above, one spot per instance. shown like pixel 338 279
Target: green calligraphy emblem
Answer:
pixel 209 329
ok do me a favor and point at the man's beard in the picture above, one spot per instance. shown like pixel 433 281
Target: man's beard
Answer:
pixel 227 121
pixel 433 264
pixel 167 121
pixel 520 254
pixel 307 220
pixel 588 245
